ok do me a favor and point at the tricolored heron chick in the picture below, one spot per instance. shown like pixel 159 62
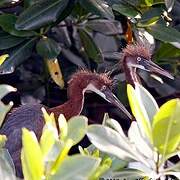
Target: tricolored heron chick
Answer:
pixel 30 116
pixel 139 57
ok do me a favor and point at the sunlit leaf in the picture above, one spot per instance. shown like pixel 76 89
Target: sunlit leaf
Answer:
pixel 3 58
pixel 6 170
pixel 3 140
pixel 166 125
pixel 31 156
pixel 63 126
pixel 77 127
pixel 139 112
pixel 76 167
pixel 48 138
pixel 55 71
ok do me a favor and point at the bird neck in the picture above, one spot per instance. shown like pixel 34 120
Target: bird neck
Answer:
pixel 130 72
pixel 70 108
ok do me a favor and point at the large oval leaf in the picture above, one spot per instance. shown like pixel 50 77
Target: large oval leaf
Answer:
pixel 41 14
pixel 7 23
pixel 166 34
pixel 90 47
pixel 98 7
pixel 77 127
pixel 18 56
pixel 166 126
pixel 77 167
pixel 7 41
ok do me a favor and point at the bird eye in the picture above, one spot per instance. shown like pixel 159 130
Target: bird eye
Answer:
pixel 103 88
pixel 138 59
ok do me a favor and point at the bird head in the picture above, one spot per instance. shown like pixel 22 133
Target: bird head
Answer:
pixel 100 84
pixel 139 57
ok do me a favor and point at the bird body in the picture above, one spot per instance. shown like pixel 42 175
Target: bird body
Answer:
pixel 30 116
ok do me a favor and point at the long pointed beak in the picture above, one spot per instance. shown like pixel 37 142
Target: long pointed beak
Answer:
pixel 154 68
pixel 110 97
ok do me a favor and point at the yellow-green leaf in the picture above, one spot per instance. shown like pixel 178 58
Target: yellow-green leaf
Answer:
pixel 166 127
pixel 138 112
pixel 32 158
pixel 48 138
pixel 55 72
pixel 3 58
pixel 63 126
pixel 3 139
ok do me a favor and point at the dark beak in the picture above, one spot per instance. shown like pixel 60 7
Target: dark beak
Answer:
pixel 154 68
pixel 110 97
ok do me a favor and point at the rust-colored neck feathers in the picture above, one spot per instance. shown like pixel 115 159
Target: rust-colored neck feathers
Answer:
pixel 76 89
pixel 131 53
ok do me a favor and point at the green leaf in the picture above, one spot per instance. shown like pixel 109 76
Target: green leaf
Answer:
pixel 126 10
pixel 166 126
pixel 76 167
pixel 147 101
pixel 77 127
pixel 90 47
pixel 98 7
pixel 149 2
pixel 48 48
pixel 164 33
pixel 41 14
pixel 139 112
pixel 166 51
pixel 31 156
pixel 3 140
pixel 48 138
pixel 8 41
pixel 17 57
pixel 110 141
pixel 7 23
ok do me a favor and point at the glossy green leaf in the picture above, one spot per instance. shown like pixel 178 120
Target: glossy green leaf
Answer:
pixel 7 23
pixel 76 167
pixel 166 51
pixel 33 167
pixel 90 47
pixel 164 33
pixel 139 112
pixel 77 127
pixel 126 10
pixel 166 126
pixel 98 7
pixel 48 48
pixel 104 26
pixel 7 41
pixel 17 57
pixel 41 14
